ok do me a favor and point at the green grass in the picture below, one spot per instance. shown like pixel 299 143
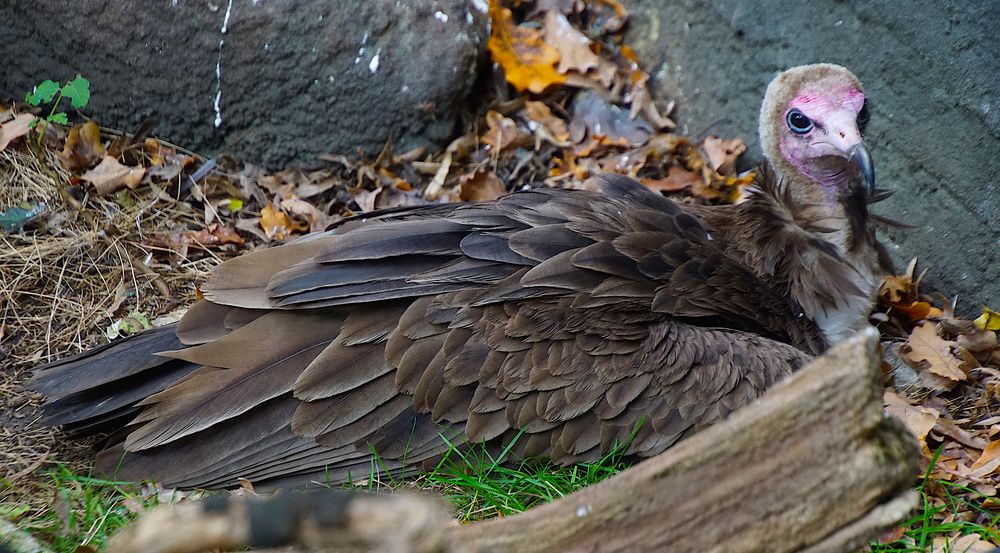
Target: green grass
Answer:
pixel 478 486
pixel 84 511
pixel 966 517
pixel 81 511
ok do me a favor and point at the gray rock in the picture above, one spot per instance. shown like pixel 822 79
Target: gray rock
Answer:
pixel 931 70
pixel 275 82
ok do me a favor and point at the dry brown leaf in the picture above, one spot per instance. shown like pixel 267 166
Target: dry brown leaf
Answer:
pixel 500 132
pixel 110 176
pixel 481 186
pixel 316 219
pixel 83 148
pixel 979 342
pixel 527 61
pixel 14 129
pixel 949 428
pixel 574 49
pixel 721 154
pixel 213 236
pixel 971 543
pixel 547 125
pixel 988 461
pixel 276 223
pixel 919 420
pixel 677 179
pixel 926 350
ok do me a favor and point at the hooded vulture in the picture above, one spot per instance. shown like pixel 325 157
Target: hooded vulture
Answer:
pixel 572 320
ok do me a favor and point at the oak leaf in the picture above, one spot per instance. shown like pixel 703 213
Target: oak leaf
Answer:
pixel 721 154
pixel 919 420
pixel 928 351
pixel 527 61
pixel 574 49
pixel 110 176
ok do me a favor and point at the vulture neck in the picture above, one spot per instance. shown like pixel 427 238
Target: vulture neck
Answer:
pixel 816 240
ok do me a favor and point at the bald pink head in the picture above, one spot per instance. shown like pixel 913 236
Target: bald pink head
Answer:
pixel 809 126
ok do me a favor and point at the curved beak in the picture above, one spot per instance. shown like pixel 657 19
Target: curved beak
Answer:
pixel 859 156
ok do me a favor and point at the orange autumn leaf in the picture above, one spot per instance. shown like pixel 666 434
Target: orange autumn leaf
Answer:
pixel 527 61
pixel 677 179
pixel 917 310
pixel 276 224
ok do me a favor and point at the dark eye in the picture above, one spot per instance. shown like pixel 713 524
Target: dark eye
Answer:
pixel 798 122
pixel 863 116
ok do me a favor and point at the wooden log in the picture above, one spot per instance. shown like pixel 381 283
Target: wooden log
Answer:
pixel 813 466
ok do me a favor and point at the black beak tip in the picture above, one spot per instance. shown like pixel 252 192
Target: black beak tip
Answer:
pixel 859 155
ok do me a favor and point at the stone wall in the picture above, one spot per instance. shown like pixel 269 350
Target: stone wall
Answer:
pixel 931 70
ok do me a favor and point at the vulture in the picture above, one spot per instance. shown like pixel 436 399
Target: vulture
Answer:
pixel 563 322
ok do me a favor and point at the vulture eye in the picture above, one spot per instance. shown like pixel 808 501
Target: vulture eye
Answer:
pixel 798 122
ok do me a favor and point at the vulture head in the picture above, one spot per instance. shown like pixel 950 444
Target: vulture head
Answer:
pixel 810 129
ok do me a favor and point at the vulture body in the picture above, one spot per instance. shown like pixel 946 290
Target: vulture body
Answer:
pixel 580 318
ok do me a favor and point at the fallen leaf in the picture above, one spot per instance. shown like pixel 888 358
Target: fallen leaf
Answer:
pixel 481 186
pixel 989 320
pixel 276 224
pixel 609 15
pixel 110 176
pixel 528 62
pixel 919 420
pixel 894 288
pixel 988 461
pixel 593 116
pixel 677 179
pixel 949 428
pixel 500 133
pixel 214 235
pixel 83 148
pixel 979 342
pixel 721 154
pixel 574 49
pixel 926 350
pixel 547 125
pixel 971 543
pixel 316 219
pixel 14 129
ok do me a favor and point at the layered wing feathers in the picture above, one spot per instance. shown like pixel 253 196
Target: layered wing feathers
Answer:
pixel 583 319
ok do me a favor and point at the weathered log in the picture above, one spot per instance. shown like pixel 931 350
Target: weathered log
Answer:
pixel 814 466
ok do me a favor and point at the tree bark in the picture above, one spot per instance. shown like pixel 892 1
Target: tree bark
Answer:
pixel 813 466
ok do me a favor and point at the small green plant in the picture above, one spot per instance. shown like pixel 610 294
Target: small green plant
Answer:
pixel 76 90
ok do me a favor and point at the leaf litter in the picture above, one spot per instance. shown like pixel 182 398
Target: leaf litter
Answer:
pixel 113 229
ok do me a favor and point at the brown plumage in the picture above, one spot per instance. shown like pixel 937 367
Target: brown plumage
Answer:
pixel 581 317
